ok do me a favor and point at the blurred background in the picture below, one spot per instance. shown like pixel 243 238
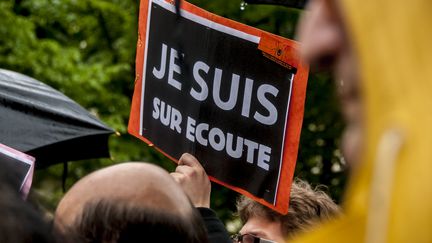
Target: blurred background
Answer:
pixel 86 49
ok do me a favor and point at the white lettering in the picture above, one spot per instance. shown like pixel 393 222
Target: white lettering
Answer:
pixel 237 153
pixel 174 68
pixel 159 74
pixel 201 96
pixel 234 146
pixel 232 100
pixel 216 132
pixel 251 146
pixel 273 114
pixel 156 104
pixel 190 129
pixel 264 157
pixel 176 119
pixel 199 133
pixel 247 97
pixel 169 116
pixel 165 113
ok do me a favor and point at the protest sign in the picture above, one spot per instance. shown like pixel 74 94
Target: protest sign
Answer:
pixel 230 94
pixel 21 167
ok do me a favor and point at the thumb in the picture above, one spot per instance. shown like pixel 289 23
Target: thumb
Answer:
pixel 189 160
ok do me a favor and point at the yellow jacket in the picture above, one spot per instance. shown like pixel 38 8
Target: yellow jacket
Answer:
pixel 389 198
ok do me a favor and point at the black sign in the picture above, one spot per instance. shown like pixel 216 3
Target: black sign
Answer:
pixel 208 90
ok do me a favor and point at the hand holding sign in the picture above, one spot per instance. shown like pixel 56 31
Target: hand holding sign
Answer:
pixel 193 179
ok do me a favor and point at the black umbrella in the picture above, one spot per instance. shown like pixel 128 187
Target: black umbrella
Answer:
pixel 42 122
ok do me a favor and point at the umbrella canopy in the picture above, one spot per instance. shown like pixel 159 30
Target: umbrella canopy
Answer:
pixel 44 123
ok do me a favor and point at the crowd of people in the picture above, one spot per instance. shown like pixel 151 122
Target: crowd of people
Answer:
pixel 141 202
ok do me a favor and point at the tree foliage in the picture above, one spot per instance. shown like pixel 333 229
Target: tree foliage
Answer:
pixel 86 49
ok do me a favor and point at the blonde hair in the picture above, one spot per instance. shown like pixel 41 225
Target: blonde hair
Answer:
pixel 307 206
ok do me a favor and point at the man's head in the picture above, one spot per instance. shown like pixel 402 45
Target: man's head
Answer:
pixel 326 44
pixel 129 202
pixel 306 207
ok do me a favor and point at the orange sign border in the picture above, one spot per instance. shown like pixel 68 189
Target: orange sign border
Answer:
pixel 295 115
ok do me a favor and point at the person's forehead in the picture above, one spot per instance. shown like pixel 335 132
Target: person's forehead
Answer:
pixel 261 227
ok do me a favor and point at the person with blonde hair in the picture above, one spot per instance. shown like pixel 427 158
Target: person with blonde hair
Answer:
pixel 307 207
